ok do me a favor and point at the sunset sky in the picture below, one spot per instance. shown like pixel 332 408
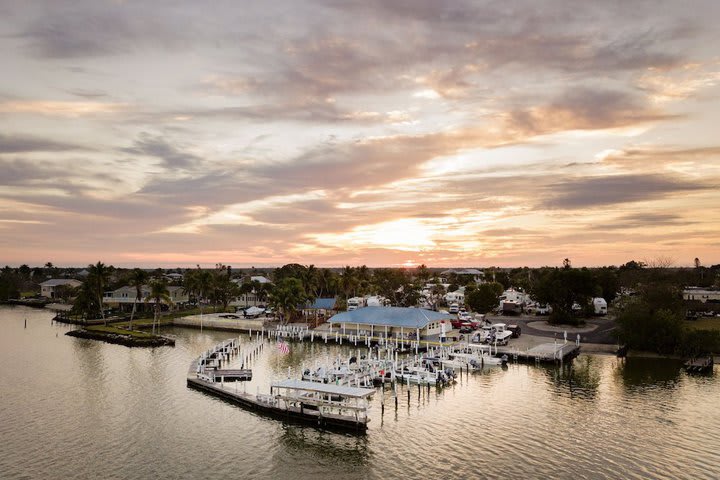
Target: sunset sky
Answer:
pixel 382 133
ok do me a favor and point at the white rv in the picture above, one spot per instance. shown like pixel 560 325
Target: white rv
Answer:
pixel 599 306
pixel 354 303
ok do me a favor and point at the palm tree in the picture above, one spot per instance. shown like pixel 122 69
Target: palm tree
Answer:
pixel 326 282
pixel 159 293
pixel 348 281
pixel 286 296
pixel 99 276
pixel 138 277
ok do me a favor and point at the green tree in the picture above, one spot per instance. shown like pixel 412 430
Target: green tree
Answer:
pixel 224 289
pixel 98 278
pixel 348 281
pixel 10 284
pixel 159 294
pixel 561 288
pixel 484 298
pixel 138 278
pixel 287 295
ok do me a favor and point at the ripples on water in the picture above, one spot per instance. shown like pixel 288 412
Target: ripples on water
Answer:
pixel 73 408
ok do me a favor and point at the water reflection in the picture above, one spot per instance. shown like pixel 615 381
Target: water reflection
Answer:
pixel 642 373
pixel 320 444
pixel 579 378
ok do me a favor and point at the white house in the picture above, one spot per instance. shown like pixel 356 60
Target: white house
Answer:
pixel 126 295
pixel 47 288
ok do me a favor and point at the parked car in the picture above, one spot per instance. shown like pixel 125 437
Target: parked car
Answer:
pixel 515 329
pixel 466 328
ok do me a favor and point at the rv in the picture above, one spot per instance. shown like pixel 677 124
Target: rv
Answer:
pixel 354 303
pixel 599 306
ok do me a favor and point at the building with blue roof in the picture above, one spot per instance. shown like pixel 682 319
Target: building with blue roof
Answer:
pixel 398 322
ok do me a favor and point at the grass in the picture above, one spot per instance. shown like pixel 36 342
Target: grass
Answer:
pixel 704 323
pixel 118 331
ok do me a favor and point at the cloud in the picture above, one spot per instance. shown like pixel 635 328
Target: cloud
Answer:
pixel 25 144
pixel 60 108
pixel 159 147
pixel 591 192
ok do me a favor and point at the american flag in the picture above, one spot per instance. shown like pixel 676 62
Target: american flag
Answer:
pixel 283 347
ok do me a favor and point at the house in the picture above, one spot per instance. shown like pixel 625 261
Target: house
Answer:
pixel 396 322
pixel 47 288
pixel 477 276
pixel 124 297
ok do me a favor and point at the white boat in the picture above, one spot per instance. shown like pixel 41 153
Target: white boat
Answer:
pixel 499 335
pixel 422 376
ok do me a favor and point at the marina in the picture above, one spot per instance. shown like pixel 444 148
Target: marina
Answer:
pixel 137 418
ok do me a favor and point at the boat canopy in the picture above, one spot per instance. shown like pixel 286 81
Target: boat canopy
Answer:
pixel 328 388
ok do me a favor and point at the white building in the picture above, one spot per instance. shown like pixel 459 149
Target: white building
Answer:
pixel 126 295
pixel 47 288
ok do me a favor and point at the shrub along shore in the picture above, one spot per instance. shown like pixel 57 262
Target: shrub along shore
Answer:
pixel 129 338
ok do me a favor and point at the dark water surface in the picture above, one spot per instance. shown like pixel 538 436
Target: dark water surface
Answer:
pixel 73 408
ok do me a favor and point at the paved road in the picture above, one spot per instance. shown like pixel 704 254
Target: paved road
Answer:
pixel 604 331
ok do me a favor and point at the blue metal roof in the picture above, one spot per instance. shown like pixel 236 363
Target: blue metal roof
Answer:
pixel 323 304
pixel 390 316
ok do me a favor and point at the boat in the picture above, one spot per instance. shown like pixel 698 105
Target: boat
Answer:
pixel 423 376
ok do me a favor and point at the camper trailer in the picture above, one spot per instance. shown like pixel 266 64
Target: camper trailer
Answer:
pixel 599 306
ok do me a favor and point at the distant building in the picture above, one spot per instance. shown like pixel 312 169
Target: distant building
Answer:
pixel 478 276
pixel 702 294
pixel 47 288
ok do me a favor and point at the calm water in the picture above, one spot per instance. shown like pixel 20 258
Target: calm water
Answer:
pixel 72 408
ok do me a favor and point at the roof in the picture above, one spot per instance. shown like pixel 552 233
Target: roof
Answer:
pixel 390 316
pixel 330 388
pixel 322 304
pixel 54 282
pixel 463 271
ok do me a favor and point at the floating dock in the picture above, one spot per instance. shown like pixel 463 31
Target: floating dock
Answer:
pixel 543 353
pixel 296 400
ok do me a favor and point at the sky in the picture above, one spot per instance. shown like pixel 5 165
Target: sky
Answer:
pixel 384 133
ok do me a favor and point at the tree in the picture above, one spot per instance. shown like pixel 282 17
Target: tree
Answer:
pixel 159 294
pixel 484 298
pixel 98 278
pixel 138 278
pixel 10 284
pixel 287 295
pixel 562 288
pixel 224 289
pixel 199 282
pixel 422 274
pixel 327 282
pixel 348 282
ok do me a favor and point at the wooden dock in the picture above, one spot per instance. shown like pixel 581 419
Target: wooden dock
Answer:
pixel 544 353
pixel 700 365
